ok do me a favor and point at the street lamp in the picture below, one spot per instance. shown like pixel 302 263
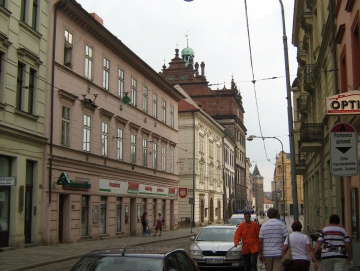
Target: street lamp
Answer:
pixel 250 138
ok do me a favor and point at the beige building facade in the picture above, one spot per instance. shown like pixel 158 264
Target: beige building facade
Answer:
pixel 23 55
pixel 112 128
pixel 201 165
pixel 326 34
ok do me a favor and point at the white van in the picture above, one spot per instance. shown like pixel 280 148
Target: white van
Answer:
pixel 236 219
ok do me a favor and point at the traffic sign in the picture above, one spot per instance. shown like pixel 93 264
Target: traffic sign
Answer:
pixel 343 150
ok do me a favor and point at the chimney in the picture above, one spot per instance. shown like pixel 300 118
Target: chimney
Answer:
pixel 96 17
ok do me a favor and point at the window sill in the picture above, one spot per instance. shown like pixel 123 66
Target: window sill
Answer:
pixel 86 237
pixel 26 115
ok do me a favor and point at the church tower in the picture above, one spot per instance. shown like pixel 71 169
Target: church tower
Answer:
pixel 258 188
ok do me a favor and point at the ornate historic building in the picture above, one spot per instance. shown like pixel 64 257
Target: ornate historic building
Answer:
pixel 258 189
pixel 224 105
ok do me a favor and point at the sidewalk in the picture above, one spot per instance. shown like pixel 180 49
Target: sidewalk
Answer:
pixel 23 259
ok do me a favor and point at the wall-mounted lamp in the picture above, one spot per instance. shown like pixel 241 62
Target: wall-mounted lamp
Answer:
pixel 155 124
pixel 88 89
pixel 145 120
pixel 133 166
pixel 121 107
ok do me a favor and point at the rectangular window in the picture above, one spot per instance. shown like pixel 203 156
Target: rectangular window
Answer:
pixel 106 71
pixel 126 214
pixel 84 215
pixel 211 176
pixel 211 149
pixel 121 83
pixel 88 62
pixel 133 148
pixel 155 106
pixel 218 153
pixel 145 99
pixel 119 144
pixel 343 72
pixel 2 87
pixel 138 213
pixel 144 152
pixel 163 158
pixel 20 94
pixel 133 91
pixel 65 126
pixel 154 155
pixel 32 80
pixel 87 132
pixel 201 174
pixel 201 149
pixel 163 115
pixel 104 138
pixel 171 116
pixel 171 160
pixel 68 45
pixel 35 14
pixel 355 46
pixel 103 215
pixel 2 3
pixel 118 214
pixel 23 10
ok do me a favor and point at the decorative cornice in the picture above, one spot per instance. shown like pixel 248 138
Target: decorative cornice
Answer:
pixel 24 52
pixel 4 40
pixel 67 96
pixel 105 113
pixel 145 131
pixel 121 120
pixel 134 126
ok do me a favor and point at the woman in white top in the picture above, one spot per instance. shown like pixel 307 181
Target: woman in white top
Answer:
pixel 300 250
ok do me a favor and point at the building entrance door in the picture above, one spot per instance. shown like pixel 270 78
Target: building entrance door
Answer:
pixel 28 213
pixel 4 215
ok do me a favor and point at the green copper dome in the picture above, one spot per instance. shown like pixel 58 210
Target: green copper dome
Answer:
pixel 187 52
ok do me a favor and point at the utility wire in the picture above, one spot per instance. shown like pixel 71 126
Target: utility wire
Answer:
pixel 253 79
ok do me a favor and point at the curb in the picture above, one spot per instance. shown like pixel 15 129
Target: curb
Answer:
pixel 82 254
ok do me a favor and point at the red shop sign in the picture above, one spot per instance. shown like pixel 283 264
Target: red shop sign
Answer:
pixel 182 192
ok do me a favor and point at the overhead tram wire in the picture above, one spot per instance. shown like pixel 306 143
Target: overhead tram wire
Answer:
pixel 253 78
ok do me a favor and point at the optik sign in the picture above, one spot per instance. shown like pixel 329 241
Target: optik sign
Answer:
pixel 347 103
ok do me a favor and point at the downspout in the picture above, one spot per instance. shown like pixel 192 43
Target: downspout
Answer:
pixel 225 210
pixel 52 98
pixel 236 179
pixel 193 207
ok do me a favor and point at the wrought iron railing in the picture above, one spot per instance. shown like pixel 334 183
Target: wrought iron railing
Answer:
pixel 311 132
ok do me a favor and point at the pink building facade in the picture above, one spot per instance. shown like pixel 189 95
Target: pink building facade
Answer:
pixel 109 158
pixel 348 53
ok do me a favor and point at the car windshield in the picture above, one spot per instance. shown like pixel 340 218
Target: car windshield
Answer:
pixel 118 263
pixel 217 234
pixel 235 221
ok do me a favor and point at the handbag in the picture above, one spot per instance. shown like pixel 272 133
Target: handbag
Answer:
pixel 287 258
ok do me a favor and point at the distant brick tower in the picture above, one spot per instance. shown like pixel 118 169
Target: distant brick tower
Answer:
pixel 258 188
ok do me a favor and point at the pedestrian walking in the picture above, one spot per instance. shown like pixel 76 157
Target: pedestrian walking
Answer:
pixel 159 223
pixel 300 249
pixel 144 223
pixel 336 243
pixel 271 239
pixel 248 232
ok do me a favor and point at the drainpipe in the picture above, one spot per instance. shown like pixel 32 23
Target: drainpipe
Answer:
pixel 52 98
pixel 193 207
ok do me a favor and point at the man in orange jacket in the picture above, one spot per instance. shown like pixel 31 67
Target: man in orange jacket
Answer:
pixel 248 231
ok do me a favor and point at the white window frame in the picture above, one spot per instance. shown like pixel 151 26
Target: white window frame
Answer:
pixel 106 73
pixel 171 160
pixel 86 132
pixel 104 138
pixel 68 47
pixel 133 148
pixel 154 155
pixel 65 125
pixel 133 91
pixel 144 146
pixel 145 99
pixel 120 83
pixel 119 144
pixel 163 158
pixel 172 119
pixel 155 113
pixel 163 111
pixel 88 62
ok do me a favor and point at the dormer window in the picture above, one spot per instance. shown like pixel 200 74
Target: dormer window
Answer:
pixel 182 77
pixel 170 78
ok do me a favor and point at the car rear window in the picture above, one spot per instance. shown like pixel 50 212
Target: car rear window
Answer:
pixel 118 263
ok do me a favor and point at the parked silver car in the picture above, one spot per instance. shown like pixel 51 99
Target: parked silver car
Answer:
pixel 237 219
pixel 214 247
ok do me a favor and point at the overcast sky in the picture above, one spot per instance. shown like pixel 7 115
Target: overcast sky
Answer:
pixel 217 32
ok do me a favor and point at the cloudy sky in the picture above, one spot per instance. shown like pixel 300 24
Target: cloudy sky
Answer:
pixel 217 32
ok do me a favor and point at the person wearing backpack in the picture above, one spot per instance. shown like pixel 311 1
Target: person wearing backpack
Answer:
pixel 159 224
pixel 144 223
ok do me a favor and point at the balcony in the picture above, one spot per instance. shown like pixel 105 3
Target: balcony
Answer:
pixel 301 103
pixel 301 54
pixel 307 17
pixel 311 137
pixel 300 163
pixel 309 84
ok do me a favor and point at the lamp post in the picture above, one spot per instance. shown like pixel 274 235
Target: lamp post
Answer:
pixel 290 119
pixel 250 138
